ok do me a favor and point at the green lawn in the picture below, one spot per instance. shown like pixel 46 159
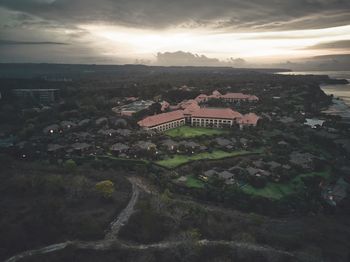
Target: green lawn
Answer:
pixel 277 191
pixel 178 160
pixel 188 132
pixel 193 182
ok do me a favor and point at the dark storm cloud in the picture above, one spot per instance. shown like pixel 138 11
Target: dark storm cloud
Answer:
pixel 342 44
pixel 10 42
pixel 228 14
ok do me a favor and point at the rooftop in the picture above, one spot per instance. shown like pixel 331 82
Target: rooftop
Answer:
pixel 251 119
pixel 161 118
pixel 225 113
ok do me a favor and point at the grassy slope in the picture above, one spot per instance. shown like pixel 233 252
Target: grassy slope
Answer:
pixel 188 132
pixel 193 182
pixel 178 160
pixel 277 191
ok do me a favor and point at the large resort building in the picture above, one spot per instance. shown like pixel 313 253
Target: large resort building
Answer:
pixel 229 97
pixel 189 112
pixel 164 121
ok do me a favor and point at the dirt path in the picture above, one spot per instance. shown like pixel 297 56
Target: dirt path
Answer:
pixel 269 251
pixel 124 216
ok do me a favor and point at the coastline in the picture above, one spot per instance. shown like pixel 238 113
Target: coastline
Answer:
pixel 341 92
pixel 341 101
pixel 338 108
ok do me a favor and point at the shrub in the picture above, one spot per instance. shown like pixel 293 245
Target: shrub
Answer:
pixel 105 188
pixel 70 165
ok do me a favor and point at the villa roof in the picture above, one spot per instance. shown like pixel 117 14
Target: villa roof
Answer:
pixel 201 97
pixel 145 145
pixel 80 146
pixel 225 113
pixel 216 93
pixel 54 147
pixel 159 119
pixel 119 147
pixel 191 107
pixel 251 119
pixel 165 105
pixel 186 103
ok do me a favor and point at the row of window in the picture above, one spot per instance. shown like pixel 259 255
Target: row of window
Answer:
pixel 197 120
pixel 170 125
pixel 216 125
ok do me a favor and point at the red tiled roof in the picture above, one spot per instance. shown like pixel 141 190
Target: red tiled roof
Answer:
pixel 249 119
pixel 165 105
pixel 216 93
pixel 159 119
pixel 253 98
pixel 225 113
pixel 201 97
pixel 186 103
pixel 191 108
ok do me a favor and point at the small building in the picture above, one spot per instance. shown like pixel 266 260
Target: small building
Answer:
pixel 101 121
pixel 164 106
pixel 132 108
pixel 314 123
pixel 228 177
pixel 44 95
pixel 107 132
pixel 119 148
pixel 250 119
pixel 54 148
pixel 124 132
pixel 169 144
pixel 145 145
pixel 81 146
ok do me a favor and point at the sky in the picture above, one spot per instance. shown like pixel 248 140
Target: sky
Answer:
pixel 165 32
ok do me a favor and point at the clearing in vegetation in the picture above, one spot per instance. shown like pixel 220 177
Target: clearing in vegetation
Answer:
pixel 194 182
pixel 178 160
pixel 276 191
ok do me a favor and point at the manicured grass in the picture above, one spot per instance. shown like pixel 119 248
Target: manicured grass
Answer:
pixel 126 160
pixel 178 160
pixel 276 191
pixel 188 132
pixel 193 182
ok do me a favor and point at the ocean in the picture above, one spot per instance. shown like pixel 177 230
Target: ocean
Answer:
pixel 341 93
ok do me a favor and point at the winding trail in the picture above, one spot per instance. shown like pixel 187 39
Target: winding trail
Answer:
pixel 111 241
pixel 124 216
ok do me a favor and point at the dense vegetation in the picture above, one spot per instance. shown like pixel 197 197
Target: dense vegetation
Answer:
pixel 42 204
